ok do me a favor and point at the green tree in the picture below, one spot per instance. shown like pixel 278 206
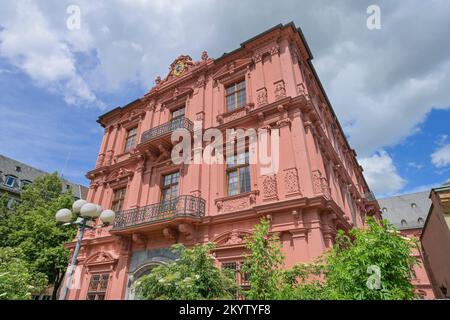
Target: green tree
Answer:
pixel 372 263
pixel 264 263
pixel 18 281
pixel 31 226
pixel 192 276
pixel 367 264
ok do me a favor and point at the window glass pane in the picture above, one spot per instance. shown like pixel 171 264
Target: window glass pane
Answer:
pixel 230 103
pixel 241 99
pixel 10 181
pixel 178 113
pixel 232 183
pixel 244 176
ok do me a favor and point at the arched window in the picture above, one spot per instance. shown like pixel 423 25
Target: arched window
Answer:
pixel 403 223
pixel 420 220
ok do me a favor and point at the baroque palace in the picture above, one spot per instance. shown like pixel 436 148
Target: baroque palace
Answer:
pixel 268 82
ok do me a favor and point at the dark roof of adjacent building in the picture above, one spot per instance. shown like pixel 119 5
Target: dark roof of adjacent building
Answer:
pixel 408 211
pixel 25 173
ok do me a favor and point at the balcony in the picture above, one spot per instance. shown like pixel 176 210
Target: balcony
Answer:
pixel 181 208
pixel 166 129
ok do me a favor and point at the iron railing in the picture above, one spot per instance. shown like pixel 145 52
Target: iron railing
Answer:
pixel 181 206
pixel 168 127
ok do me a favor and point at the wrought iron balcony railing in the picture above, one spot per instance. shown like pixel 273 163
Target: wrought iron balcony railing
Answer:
pixel 178 207
pixel 177 123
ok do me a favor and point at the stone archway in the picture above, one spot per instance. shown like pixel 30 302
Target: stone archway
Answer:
pixel 142 263
pixel 136 275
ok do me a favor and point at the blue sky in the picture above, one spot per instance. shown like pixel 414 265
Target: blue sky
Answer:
pixel 389 87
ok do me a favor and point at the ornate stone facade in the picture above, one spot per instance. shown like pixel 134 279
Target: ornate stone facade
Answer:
pixel 299 194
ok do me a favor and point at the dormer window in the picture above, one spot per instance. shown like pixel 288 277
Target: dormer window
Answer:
pixel 25 183
pixel 403 223
pixel 18 169
pixel 10 181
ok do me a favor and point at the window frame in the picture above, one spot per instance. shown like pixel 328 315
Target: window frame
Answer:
pixel 99 290
pixel 235 93
pixel 131 146
pixel 237 168
pixel 14 181
pixel 120 200
pixel 174 110
pixel 163 187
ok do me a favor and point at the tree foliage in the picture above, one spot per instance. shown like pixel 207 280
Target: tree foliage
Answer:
pixel 31 227
pixel 18 281
pixel 264 264
pixel 192 276
pixel 367 264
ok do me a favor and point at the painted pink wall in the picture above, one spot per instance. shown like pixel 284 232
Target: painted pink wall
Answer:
pixel 318 189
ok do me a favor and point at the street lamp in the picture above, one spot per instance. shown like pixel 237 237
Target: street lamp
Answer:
pixel 82 212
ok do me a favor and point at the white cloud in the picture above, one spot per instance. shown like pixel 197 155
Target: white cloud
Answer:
pixel 441 157
pixel 381 173
pixel 29 43
pixel 381 83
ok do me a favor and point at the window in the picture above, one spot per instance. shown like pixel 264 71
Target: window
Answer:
pixel 25 183
pixel 11 181
pixel 18 169
pixel 178 113
pixel 403 223
pixel 420 220
pixel 98 286
pixel 242 279
pixel 238 174
pixel 169 191
pixel 119 197
pixel 235 96
pixel 130 142
pixel 413 205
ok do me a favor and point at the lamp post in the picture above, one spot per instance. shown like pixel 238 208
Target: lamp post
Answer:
pixel 82 213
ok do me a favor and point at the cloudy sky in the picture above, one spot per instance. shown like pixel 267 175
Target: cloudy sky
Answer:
pixel 390 87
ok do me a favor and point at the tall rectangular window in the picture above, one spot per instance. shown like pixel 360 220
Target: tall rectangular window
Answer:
pixel 238 174
pixel 169 190
pixel 178 113
pixel 235 96
pixel 119 198
pixel 130 142
pixel 98 286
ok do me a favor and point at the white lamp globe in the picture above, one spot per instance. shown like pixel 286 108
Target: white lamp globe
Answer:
pixel 99 211
pixel 76 207
pixel 107 216
pixel 88 210
pixel 63 215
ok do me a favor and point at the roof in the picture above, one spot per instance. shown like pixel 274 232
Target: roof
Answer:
pixel 24 172
pixel 408 211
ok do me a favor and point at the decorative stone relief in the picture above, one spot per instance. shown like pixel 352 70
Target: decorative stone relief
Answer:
pixel 320 184
pixel 270 187
pixel 234 238
pixel 291 182
pixel 280 90
pixel 261 97
pixel 317 182
pixel 236 204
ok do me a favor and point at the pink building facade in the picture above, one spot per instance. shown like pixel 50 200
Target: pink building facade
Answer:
pixel 266 84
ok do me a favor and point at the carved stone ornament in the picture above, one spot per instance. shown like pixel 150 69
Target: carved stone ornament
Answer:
pixel 270 186
pixel 261 98
pixel 291 183
pixel 280 91
pixel 234 238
